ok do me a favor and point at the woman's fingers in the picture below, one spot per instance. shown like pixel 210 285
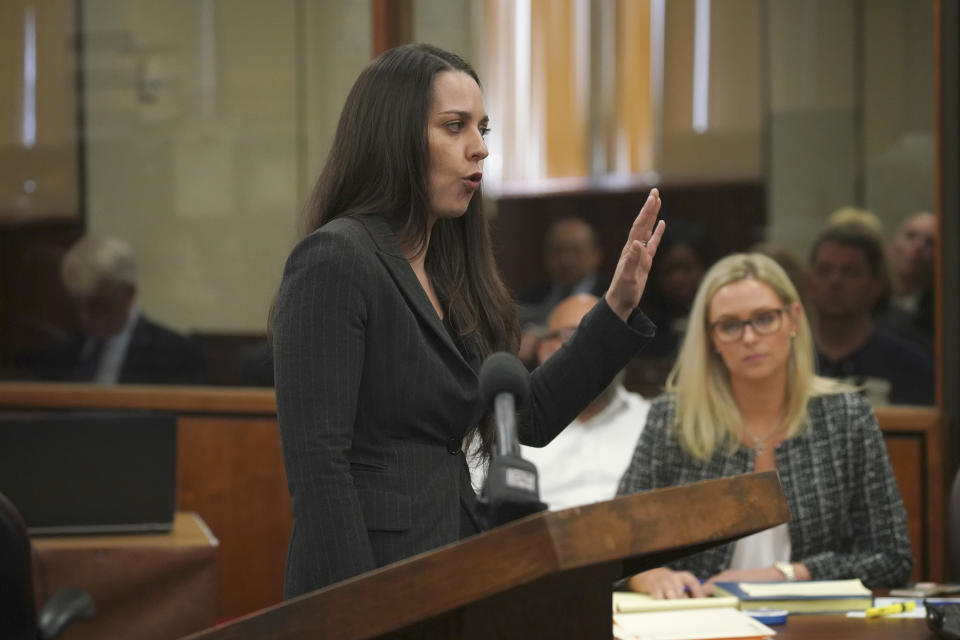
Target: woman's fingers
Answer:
pixel 637 254
pixel 654 240
pixel 643 223
pixel 630 276
pixel 683 584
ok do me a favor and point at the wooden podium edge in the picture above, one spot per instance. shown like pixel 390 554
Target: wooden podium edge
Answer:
pixel 439 581
pixel 664 520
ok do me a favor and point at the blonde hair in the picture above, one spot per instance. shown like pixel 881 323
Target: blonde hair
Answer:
pixel 707 417
pixel 96 260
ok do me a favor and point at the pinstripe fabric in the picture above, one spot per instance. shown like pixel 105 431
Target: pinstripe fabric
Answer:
pixel 848 517
pixel 374 399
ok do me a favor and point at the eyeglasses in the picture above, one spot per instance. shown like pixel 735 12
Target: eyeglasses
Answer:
pixel 763 322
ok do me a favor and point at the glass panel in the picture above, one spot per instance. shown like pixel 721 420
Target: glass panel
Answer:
pixel 203 124
pixel 851 128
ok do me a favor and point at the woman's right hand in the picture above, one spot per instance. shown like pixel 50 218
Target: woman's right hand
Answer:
pixel 663 583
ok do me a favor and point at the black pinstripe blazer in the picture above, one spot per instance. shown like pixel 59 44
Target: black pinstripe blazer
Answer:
pixel 374 399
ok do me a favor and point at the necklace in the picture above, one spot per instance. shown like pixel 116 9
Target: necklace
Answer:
pixel 760 444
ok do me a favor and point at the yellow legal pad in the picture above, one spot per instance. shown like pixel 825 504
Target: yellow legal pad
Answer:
pixel 627 602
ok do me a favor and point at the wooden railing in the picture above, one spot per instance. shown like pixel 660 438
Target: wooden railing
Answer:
pixel 230 471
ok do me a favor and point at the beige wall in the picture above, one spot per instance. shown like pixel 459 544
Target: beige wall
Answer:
pixel 207 123
pixel 446 24
pixel 812 116
pixel 850 112
pixel 899 150
pixel 338 46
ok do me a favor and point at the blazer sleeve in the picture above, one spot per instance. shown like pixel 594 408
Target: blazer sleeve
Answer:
pixel 880 553
pixel 572 377
pixel 645 468
pixel 319 327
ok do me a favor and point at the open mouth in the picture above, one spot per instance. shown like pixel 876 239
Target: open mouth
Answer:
pixel 473 180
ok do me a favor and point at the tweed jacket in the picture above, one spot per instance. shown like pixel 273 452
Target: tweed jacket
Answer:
pixel 374 398
pixel 848 519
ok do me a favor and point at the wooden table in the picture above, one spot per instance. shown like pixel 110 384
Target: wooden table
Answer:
pixel 840 627
pixel 144 586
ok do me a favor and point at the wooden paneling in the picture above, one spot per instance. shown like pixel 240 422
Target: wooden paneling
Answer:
pixel 906 458
pixel 230 471
pixel 914 438
pixel 175 399
pixel 392 24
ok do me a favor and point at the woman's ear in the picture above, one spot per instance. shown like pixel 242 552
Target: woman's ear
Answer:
pixel 796 312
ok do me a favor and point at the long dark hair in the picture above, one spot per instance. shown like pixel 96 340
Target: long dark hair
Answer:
pixel 378 166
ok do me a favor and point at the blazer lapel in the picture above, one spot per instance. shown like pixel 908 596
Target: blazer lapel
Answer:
pixel 406 280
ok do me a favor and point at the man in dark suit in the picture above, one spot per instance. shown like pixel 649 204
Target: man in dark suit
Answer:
pixel 572 256
pixel 115 343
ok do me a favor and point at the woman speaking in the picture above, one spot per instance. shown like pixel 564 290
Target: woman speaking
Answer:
pixel 387 308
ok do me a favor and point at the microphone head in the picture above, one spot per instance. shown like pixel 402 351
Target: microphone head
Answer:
pixel 503 372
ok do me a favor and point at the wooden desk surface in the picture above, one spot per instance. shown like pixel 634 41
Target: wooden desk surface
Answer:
pixel 189 530
pixel 840 627
pixel 145 586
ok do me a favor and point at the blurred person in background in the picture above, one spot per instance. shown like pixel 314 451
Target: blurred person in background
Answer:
pixel 584 462
pixel 572 257
pixel 115 342
pixel 684 256
pixel 846 286
pixel 910 254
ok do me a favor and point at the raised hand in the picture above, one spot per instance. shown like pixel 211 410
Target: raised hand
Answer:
pixel 630 277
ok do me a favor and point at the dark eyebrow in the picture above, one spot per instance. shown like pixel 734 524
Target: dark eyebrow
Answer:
pixel 463 114
pixel 741 319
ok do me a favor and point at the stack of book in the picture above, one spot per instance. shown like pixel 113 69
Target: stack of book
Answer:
pixel 640 616
pixel 814 596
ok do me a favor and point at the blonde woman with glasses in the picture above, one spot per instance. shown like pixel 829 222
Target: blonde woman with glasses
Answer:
pixel 743 397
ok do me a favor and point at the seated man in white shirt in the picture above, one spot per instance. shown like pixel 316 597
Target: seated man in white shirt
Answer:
pixel 585 462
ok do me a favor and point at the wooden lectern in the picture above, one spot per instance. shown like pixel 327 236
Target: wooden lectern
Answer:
pixel 548 575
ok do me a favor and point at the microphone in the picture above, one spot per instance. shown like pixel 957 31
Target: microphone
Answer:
pixel 505 384
pixel 511 489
